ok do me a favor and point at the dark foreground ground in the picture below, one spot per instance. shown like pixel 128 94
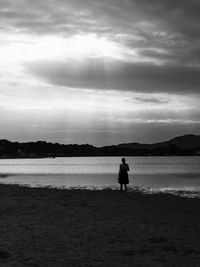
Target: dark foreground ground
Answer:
pixel 48 227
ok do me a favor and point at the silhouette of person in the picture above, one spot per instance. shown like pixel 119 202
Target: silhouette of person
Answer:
pixel 123 174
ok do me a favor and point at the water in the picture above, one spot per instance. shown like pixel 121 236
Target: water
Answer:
pixel 155 173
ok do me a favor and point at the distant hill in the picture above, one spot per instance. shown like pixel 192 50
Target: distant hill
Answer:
pixel 189 141
pixel 187 145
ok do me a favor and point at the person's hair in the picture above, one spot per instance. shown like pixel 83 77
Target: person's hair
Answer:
pixel 123 160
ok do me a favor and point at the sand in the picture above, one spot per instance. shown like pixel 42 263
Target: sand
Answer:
pixel 50 227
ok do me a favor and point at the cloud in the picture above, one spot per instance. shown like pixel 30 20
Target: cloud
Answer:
pixel 178 16
pixel 163 32
pixel 151 100
pixel 119 12
pixel 118 75
pixel 118 16
pixel 145 84
pixel 47 17
pixel 146 26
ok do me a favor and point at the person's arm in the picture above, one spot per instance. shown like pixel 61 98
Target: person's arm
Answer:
pixel 128 168
pixel 119 171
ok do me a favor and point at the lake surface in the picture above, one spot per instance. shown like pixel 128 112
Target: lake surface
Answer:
pixel 162 173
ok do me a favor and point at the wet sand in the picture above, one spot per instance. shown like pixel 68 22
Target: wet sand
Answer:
pixel 50 227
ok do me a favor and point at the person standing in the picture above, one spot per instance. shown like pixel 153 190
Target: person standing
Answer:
pixel 123 174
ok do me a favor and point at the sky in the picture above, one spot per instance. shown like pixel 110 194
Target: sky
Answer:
pixel 99 72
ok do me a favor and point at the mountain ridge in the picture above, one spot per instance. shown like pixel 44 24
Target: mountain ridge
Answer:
pixel 186 145
pixel 187 141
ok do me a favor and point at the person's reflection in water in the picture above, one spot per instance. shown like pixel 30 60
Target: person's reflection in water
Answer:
pixel 123 175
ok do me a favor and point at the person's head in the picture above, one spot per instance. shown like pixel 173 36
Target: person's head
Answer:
pixel 123 160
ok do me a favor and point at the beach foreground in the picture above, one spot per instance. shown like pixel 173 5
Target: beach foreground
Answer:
pixel 50 227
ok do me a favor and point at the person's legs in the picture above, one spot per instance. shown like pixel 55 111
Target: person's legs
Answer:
pixel 121 187
pixel 125 187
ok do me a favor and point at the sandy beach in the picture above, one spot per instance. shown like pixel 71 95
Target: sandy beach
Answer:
pixel 50 227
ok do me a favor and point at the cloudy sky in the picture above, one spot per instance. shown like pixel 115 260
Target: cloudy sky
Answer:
pixel 99 72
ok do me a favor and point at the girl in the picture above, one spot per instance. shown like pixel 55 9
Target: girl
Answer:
pixel 123 174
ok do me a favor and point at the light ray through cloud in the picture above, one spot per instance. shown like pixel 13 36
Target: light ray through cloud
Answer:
pixel 99 71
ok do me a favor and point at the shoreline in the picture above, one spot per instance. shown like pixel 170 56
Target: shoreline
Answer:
pixel 131 188
pixel 54 227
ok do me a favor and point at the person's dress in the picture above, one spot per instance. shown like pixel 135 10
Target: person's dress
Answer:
pixel 123 174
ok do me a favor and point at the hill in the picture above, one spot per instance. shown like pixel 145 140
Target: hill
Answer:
pixel 187 145
pixel 189 141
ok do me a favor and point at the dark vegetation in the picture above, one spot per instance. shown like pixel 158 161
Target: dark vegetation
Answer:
pixel 188 145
